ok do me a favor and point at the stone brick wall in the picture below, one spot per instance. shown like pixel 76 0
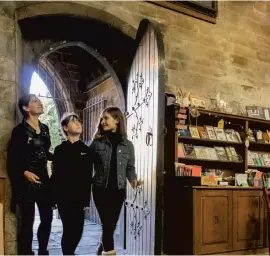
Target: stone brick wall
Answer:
pixel 231 57
pixel 9 64
pixel 109 91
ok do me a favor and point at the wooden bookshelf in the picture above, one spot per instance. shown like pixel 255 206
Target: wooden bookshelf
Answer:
pixel 235 122
pixel 218 213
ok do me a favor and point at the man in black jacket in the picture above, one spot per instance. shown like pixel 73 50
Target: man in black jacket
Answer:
pixel 71 182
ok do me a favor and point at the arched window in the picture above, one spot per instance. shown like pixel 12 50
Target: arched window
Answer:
pixel 50 116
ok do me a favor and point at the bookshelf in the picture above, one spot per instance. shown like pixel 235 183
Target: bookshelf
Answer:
pixel 240 124
pixel 211 217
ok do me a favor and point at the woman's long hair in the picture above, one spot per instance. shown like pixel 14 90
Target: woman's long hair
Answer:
pixel 116 113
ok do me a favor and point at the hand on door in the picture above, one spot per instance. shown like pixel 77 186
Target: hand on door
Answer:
pixel 136 183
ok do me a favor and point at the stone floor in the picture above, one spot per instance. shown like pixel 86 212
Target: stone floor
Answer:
pixel 87 245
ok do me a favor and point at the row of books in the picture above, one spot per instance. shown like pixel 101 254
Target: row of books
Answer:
pixel 187 170
pixel 258 158
pixel 209 132
pixel 207 153
pixel 258 136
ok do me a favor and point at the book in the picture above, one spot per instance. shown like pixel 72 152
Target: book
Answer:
pixel 265 137
pixel 266 159
pixel 220 134
pixel 221 153
pixel 200 152
pixel 258 135
pixel 211 132
pixel 180 150
pixel 237 136
pixel 211 153
pixel 266 114
pixel 250 160
pixel 194 132
pixel 183 132
pixel 255 159
pixel 229 153
pixel 230 135
pixel 189 151
pixel 202 132
pixel 262 163
pixel 235 156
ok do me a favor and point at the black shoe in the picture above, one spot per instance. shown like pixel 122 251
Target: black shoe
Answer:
pixel 100 249
pixel 43 252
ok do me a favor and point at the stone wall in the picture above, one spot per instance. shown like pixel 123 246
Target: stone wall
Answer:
pixel 231 57
pixel 9 64
pixel 109 91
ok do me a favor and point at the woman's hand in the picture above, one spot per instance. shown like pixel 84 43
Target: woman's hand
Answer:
pixel 86 208
pixel 136 183
pixel 31 177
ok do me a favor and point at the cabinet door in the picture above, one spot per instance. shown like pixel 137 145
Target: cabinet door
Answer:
pixel 248 212
pixel 212 221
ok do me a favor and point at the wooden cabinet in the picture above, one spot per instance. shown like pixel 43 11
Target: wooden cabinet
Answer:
pixel 202 220
pixel 213 221
pixel 248 219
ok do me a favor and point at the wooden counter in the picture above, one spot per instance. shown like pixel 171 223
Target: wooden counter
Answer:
pixel 209 220
pixel 226 187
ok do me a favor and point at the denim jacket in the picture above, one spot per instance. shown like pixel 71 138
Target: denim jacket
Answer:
pixel 101 151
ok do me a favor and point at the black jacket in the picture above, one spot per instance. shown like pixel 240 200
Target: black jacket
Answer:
pixel 71 174
pixel 28 151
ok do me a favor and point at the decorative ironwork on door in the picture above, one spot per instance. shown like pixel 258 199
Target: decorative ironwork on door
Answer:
pixel 142 126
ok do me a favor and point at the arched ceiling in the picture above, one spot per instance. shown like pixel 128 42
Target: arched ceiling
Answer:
pixel 74 64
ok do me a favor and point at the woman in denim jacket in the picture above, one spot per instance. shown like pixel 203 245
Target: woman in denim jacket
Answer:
pixel 114 163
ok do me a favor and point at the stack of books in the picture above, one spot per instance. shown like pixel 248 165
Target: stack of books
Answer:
pixel 208 153
pixel 258 159
pixel 209 132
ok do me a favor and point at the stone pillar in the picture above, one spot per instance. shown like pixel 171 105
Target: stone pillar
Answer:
pixel 8 80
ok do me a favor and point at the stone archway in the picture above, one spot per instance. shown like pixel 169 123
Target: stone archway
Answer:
pixel 98 57
pixel 93 10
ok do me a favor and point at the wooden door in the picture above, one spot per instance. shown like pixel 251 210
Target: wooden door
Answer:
pixel 145 124
pixel 248 219
pixel 212 221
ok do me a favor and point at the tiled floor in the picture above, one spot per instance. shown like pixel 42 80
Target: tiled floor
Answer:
pixel 87 245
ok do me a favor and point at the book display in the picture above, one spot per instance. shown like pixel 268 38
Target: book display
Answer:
pixel 214 164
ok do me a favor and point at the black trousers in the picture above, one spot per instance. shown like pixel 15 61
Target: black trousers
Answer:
pixel 27 217
pixel 108 203
pixel 72 217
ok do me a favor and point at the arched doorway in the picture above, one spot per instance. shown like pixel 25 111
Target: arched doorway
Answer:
pixel 152 62
pixel 62 94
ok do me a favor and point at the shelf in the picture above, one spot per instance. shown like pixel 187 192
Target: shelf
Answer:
pixel 231 116
pixel 208 160
pixel 227 115
pixel 258 167
pixel 252 143
pixel 191 140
